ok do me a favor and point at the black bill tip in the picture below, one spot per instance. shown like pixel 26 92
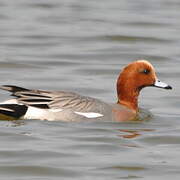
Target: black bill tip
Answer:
pixel 168 87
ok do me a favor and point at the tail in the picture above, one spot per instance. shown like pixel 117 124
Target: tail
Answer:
pixel 12 111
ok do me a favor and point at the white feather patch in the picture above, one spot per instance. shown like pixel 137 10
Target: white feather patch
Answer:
pixel 35 113
pixel 42 114
pixel 90 114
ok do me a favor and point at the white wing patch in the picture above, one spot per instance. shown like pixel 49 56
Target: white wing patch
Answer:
pixel 90 114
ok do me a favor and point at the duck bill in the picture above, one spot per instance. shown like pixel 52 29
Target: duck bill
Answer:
pixel 160 84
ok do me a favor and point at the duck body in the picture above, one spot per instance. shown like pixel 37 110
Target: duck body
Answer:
pixel 69 106
pixel 59 105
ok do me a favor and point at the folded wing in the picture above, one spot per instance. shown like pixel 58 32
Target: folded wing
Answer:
pixel 51 99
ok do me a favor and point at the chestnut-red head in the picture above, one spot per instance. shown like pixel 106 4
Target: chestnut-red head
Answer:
pixel 132 79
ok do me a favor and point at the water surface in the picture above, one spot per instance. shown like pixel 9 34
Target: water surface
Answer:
pixel 81 46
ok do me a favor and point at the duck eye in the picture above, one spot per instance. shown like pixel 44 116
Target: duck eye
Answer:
pixel 146 71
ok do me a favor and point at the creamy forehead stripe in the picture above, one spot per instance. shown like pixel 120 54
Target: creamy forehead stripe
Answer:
pixel 90 114
pixel 145 62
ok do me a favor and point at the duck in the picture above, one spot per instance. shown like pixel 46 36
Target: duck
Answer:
pixel 70 106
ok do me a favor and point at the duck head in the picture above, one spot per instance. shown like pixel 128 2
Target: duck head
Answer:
pixel 132 79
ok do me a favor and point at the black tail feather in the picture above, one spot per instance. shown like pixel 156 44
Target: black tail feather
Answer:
pixel 13 89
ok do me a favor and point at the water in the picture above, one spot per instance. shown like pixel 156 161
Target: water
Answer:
pixel 81 46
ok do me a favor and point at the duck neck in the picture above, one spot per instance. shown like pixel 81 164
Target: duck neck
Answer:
pixel 128 96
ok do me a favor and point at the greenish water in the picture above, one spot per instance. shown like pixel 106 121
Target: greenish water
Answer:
pixel 81 46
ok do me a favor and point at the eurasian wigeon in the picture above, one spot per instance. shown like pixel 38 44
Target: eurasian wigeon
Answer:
pixel 68 106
